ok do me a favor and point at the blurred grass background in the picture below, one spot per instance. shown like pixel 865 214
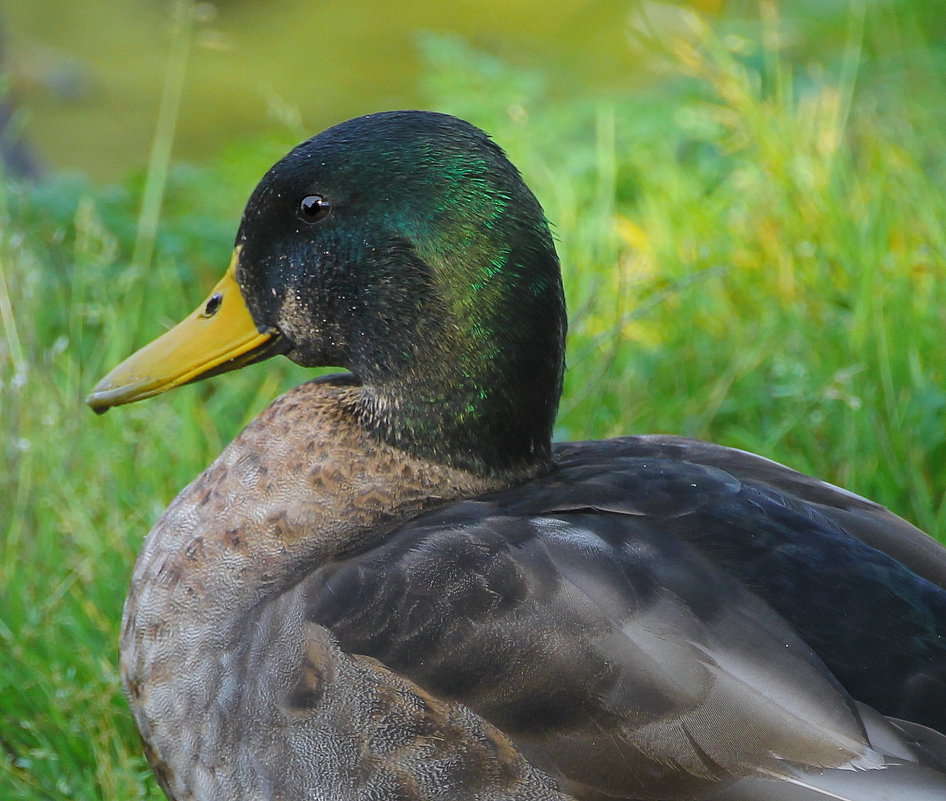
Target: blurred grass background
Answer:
pixel 749 205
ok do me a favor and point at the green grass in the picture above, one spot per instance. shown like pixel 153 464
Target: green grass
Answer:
pixel 753 254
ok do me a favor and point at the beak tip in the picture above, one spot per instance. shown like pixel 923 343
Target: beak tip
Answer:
pixel 97 403
pixel 109 392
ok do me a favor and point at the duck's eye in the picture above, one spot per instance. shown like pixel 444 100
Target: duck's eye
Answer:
pixel 313 208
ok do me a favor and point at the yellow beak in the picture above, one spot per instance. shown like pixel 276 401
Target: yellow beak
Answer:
pixel 219 335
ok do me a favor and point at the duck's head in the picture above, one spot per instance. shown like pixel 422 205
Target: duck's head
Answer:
pixel 404 247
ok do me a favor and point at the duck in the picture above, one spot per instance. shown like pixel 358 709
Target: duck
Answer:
pixel 392 585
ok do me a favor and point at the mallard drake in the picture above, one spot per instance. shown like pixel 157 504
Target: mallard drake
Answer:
pixel 391 585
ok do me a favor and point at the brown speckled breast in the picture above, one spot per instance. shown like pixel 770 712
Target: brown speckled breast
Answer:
pixel 235 694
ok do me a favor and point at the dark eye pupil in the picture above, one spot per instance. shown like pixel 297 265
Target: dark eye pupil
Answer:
pixel 314 208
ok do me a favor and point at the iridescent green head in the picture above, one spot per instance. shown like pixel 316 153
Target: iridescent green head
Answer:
pixel 405 247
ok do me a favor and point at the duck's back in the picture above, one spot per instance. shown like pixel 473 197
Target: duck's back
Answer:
pixel 653 602
pixel 863 587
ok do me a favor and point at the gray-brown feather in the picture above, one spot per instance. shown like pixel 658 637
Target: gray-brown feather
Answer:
pixel 318 615
pixel 235 694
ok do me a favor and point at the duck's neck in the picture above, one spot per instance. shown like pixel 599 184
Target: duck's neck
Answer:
pixel 472 382
pixel 487 425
